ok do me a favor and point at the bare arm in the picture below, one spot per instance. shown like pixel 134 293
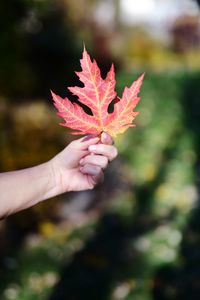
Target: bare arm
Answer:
pixel 24 188
pixel 78 167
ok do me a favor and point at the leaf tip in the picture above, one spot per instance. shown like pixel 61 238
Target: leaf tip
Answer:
pixel 53 95
pixel 112 68
pixel 85 51
pixel 142 76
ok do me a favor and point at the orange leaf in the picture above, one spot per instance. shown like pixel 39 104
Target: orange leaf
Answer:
pixel 97 94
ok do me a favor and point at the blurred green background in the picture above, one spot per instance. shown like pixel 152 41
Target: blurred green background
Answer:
pixel 137 236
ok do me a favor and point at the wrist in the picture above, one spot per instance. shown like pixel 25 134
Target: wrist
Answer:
pixel 51 188
pixel 58 178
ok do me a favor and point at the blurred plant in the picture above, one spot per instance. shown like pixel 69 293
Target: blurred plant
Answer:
pixel 143 229
pixel 185 33
pixel 141 237
pixel 35 35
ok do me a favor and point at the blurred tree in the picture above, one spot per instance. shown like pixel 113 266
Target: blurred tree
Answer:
pixel 93 31
pixel 52 50
pixel 38 47
pixel 185 33
pixel 13 71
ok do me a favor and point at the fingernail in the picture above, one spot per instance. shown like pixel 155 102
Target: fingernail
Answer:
pixel 81 161
pixel 104 136
pixel 92 148
pixel 89 137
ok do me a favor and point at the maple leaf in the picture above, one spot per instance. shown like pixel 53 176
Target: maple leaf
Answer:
pixel 97 94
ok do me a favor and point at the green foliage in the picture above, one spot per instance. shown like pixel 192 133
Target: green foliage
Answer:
pixel 149 231
pixel 141 49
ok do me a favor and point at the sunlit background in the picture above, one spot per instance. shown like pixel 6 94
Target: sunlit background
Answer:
pixel 137 236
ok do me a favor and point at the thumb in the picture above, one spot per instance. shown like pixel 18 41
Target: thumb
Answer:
pixel 106 139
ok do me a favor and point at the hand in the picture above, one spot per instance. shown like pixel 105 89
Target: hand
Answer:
pixel 80 165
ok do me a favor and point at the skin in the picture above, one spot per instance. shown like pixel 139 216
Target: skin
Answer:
pixel 78 167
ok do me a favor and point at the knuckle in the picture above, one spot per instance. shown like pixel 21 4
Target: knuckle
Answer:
pixel 105 162
pixel 91 185
pixel 87 159
pixel 115 152
pixel 73 144
pixel 98 169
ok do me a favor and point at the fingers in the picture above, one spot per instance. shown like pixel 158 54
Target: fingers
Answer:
pixel 84 143
pixel 90 169
pixel 97 178
pixel 106 150
pixel 100 154
pixel 98 160
pixel 95 172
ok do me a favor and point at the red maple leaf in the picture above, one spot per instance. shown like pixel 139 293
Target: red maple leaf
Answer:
pixel 97 94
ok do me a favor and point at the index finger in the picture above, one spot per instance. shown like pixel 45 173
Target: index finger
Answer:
pixel 106 150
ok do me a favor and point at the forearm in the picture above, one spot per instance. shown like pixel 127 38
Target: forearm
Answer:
pixel 24 188
pixel 78 167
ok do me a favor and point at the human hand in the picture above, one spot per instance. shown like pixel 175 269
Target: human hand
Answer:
pixel 80 165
